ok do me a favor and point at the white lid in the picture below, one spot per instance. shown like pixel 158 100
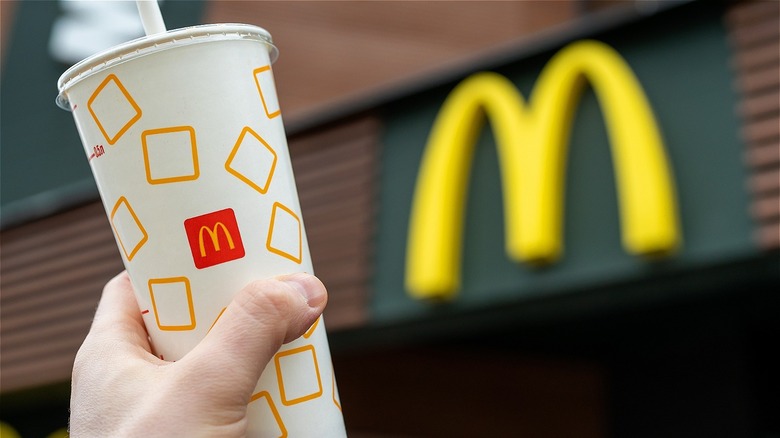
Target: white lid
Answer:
pixel 158 42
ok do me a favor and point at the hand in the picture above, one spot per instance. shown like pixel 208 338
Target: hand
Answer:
pixel 120 389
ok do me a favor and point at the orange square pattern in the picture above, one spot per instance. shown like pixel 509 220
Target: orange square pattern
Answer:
pixel 257 162
pixel 262 405
pixel 105 104
pixel 285 219
pixel 311 329
pixel 264 79
pixel 163 286
pixel 127 227
pixel 303 388
pixel 159 171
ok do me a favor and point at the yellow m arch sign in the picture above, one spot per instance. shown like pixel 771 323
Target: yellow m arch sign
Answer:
pixel 532 143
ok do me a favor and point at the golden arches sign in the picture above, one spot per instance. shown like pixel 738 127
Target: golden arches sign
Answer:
pixel 532 142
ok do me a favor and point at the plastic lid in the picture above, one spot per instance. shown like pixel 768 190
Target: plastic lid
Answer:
pixel 158 42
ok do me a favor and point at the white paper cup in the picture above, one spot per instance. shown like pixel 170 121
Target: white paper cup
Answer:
pixel 184 136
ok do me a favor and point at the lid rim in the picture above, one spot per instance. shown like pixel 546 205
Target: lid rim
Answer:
pixel 140 46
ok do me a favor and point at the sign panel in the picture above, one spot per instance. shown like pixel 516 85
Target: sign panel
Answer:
pixel 531 141
pixel 641 159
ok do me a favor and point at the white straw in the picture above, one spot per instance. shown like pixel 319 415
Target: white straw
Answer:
pixel 151 17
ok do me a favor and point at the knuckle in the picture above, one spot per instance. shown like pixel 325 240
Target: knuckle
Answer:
pixel 87 360
pixel 266 298
pixel 80 363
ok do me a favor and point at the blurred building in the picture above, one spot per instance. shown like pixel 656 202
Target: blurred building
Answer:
pixel 657 333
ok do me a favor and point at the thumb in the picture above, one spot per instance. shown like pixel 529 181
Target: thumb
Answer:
pixel 261 317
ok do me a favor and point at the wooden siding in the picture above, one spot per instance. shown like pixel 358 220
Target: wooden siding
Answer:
pixel 336 173
pixel 331 51
pixel 754 29
pixel 54 269
pixel 52 273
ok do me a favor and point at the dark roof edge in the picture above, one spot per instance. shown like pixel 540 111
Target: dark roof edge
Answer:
pixel 47 203
pixel 62 198
pixel 503 54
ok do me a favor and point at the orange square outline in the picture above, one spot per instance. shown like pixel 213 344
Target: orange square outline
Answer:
pixel 333 385
pixel 190 304
pixel 109 78
pixel 123 200
pixel 255 73
pixel 311 329
pixel 277 251
pixel 280 380
pixel 193 147
pixel 274 411
pixel 217 319
pixel 263 190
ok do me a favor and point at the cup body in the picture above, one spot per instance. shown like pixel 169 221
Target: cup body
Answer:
pixel 184 136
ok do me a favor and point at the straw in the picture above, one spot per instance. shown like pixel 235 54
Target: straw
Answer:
pixel 151 17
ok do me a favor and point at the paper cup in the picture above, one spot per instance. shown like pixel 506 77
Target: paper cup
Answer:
pixel 184 136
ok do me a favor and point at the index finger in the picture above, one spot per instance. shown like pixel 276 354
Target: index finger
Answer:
pixel 118 315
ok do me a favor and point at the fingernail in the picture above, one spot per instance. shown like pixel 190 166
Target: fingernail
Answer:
pixel 309 287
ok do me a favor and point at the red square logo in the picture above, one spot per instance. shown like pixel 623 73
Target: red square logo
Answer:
pixel 214 238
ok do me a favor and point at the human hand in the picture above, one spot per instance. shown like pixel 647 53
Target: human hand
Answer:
pixel 120 389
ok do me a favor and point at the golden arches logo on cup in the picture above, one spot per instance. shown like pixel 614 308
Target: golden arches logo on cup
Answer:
pixel 214 238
